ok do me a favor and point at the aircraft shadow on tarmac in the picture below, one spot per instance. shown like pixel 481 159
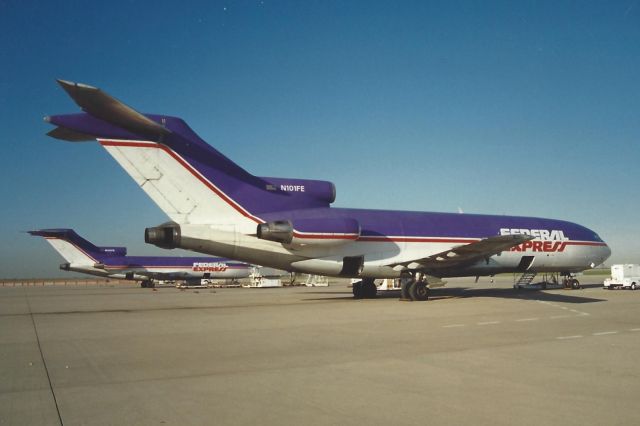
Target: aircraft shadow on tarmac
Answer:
pixel 556 295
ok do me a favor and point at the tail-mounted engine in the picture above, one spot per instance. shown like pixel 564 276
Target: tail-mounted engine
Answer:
pixel 310 231
pixel 165 236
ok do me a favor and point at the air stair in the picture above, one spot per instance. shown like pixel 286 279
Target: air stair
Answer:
pixel 525 280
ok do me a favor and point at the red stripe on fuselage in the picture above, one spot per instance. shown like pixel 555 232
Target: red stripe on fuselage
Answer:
pixel 418 240
pixel 325 236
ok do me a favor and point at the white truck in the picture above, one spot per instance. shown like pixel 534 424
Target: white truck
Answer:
pixel 623 276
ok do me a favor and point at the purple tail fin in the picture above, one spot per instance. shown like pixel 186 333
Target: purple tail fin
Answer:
pixel 89 249
pixel 190 180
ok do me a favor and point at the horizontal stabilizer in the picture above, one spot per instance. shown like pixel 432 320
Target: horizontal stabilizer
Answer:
pixel 70 135
pixel 101 105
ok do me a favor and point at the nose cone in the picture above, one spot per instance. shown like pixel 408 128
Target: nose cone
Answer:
pixel 605 253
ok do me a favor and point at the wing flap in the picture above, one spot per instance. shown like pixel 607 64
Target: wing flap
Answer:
pixel 465 254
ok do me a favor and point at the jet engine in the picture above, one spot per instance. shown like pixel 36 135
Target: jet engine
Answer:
pixel 165 236
pixel 310 231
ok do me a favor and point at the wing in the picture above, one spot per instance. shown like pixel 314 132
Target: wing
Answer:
pixel 463 255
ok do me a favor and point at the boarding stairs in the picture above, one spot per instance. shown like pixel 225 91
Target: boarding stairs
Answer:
pixel 525 279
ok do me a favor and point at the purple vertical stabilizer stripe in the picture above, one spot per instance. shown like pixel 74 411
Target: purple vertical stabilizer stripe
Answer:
pixel 249 191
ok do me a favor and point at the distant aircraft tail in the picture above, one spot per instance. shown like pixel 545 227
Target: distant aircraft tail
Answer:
pixel 75 249
pixel 188 179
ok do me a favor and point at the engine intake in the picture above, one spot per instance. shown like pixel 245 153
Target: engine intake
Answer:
pixel 165 236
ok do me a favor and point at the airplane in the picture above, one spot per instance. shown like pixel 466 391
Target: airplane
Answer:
pixel 217 207
pixel 113 262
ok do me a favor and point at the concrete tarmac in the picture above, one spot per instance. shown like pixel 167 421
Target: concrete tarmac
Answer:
pixel 481 354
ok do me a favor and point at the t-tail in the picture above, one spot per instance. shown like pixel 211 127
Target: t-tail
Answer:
pixel 77 251
pixel 189 180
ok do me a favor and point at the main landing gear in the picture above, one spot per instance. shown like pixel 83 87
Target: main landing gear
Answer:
pixel 414 289
pixel 365 289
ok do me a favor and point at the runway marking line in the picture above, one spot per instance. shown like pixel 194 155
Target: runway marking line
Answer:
pixel 579 313
pixel 453 325
pixel 577 336
pixel 488 322
pixel 604 333
pixel 634 329
pixel 527 319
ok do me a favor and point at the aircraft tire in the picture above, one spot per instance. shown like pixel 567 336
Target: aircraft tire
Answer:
pixel 419 291
pixel 404 290
pixel 575 284
pixel 369 289
pixel 143 284
pixel 633 286
pixel 357 290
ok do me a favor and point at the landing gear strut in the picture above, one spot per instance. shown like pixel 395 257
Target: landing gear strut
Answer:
pixel 570 282
pixel 414 289
pixel 365 289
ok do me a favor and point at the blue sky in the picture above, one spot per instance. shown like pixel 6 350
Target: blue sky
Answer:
pixel 524 108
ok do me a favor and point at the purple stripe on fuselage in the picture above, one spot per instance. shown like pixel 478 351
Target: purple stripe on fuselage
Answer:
pixel 390 223
pixel 168 262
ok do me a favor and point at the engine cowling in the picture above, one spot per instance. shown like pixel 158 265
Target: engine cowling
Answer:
pixel 310 231
pixel 280 231
pixel 165 236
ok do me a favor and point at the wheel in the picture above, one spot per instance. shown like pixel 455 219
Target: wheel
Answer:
pixel 357 290
pixel 633 286
pixel 404 289
pixel 369 289
pixel 419 291
pixel 575 284
pixel 144 284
